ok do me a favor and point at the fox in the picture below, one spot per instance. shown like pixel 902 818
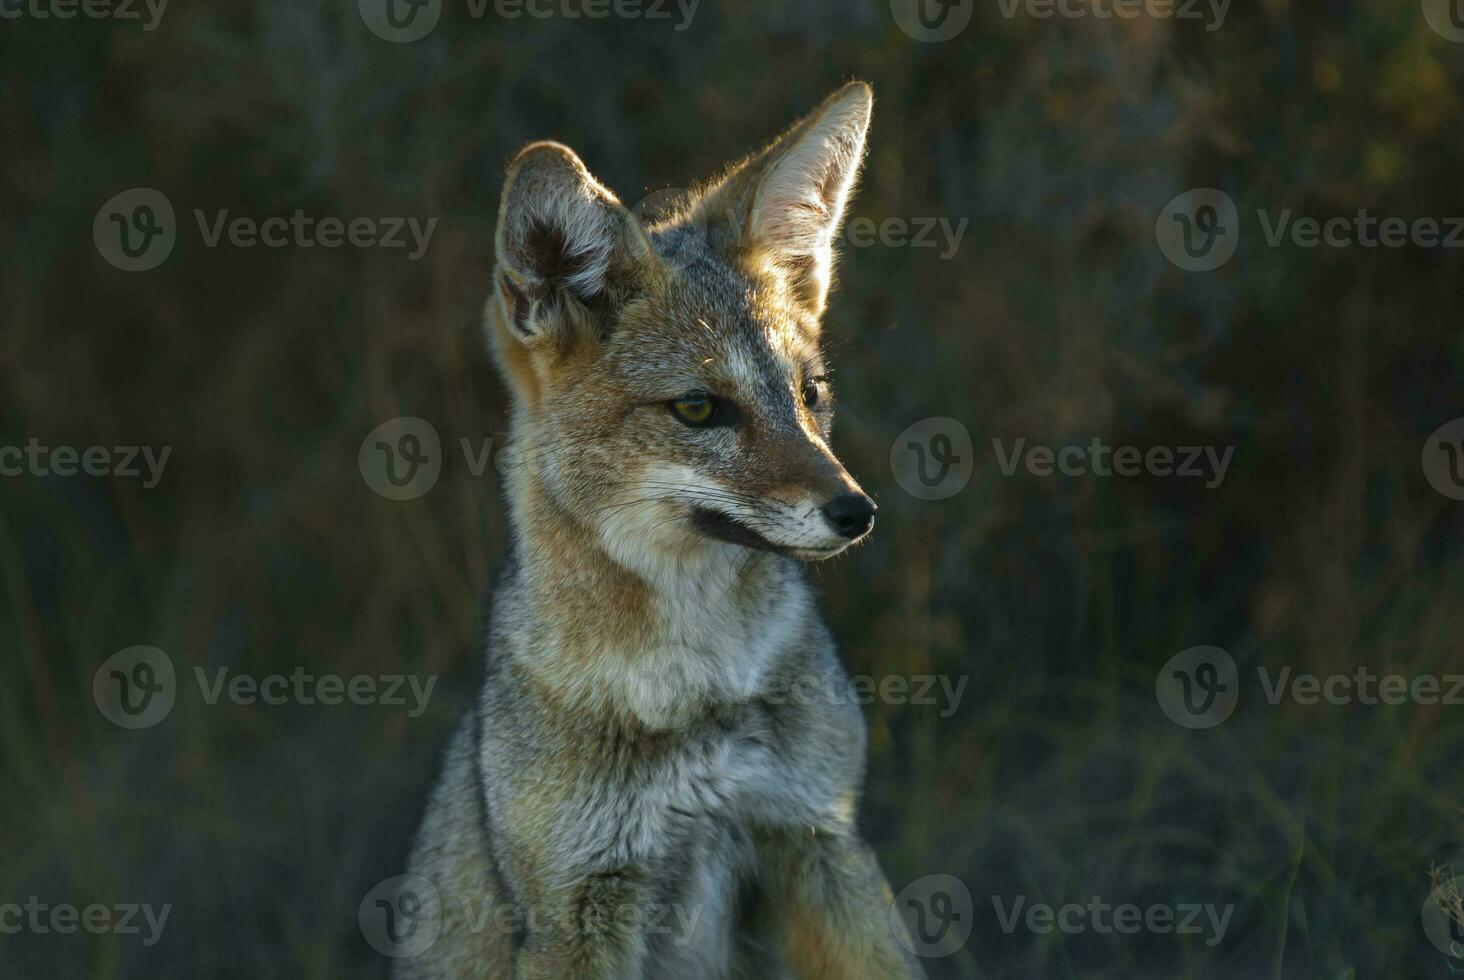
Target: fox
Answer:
pixel 659 778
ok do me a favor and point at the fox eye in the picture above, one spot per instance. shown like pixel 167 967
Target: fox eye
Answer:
pixel 813 390
pixel 698 411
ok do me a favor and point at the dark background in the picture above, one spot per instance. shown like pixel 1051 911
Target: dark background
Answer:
pixel 1058 320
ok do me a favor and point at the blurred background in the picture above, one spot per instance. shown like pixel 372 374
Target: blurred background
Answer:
pixel 1056 318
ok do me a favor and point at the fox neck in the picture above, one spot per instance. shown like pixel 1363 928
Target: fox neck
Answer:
pixel 656 636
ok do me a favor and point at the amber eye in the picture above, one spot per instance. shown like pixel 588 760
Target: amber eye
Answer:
pixel 697 410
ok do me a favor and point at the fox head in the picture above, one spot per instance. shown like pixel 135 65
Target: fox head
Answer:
pixel 669 392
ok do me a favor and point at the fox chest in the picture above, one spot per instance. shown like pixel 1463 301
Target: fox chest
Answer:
pixel 671 805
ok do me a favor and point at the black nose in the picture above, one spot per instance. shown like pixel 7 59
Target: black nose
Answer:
pixel 850 514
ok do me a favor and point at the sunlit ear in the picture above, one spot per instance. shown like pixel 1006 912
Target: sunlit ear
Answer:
pixel 785 206
pixel 567 248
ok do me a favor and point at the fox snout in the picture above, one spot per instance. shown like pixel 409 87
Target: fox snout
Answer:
pixel 820 479
pixel 783 493
pixel 809 532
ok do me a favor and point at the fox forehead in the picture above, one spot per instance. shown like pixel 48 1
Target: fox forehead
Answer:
pixel 710 325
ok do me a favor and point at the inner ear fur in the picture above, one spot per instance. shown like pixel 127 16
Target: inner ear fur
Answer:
pixel 782 208
pixel 568 251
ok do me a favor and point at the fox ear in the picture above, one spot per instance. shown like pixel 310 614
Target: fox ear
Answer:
pixel 568 251
pixel 790 198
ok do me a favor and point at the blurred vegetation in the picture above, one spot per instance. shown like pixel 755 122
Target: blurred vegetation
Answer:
pixel 1057 320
